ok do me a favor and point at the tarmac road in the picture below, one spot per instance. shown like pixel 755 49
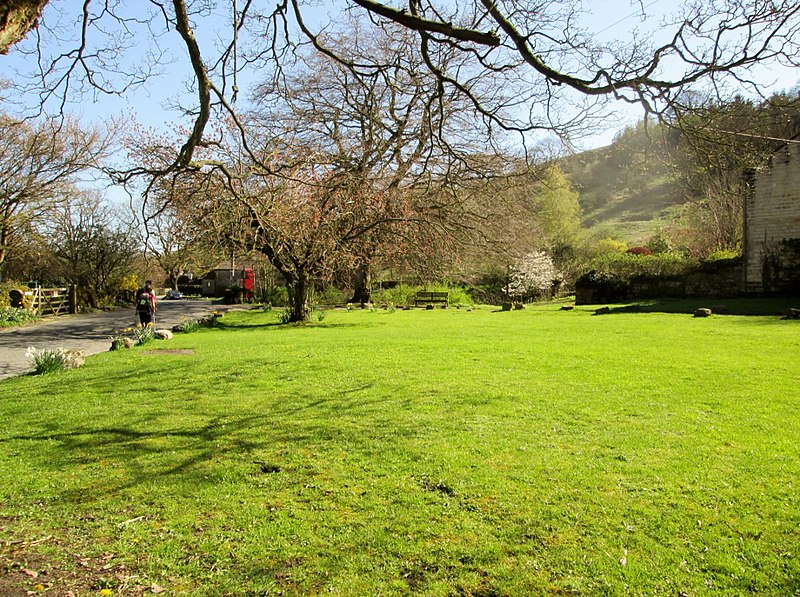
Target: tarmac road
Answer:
pixel 90 333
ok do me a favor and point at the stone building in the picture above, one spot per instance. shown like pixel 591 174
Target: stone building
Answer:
pixel 772 223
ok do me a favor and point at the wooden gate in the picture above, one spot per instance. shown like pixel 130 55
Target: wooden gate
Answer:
pixel 51 301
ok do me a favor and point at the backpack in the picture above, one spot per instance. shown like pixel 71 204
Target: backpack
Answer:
pixel 142 300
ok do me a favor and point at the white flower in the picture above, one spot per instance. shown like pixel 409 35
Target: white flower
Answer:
pixel 532 275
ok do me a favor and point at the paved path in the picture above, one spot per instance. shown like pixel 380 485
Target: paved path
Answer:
pixel 88 333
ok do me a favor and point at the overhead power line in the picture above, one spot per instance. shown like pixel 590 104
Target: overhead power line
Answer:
pixel 633 14
pixel 752 136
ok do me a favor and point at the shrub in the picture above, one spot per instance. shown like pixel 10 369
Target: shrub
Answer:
pixel 284 316
pixel 610 245
pixel 10 316
pixel 5 292
pixel 613 275
pixel 401 294
pixel 188 326
pixel 130 284
pixel 626 266
pixel 331 296
pixel 639 251
pixel 660 242
pixel 722 255
pixel 533 276
pixel 190 288
pixel 600 287
pixel 275 296
pixel 50 360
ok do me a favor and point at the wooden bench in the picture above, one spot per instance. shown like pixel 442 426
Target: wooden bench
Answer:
pixel 429 298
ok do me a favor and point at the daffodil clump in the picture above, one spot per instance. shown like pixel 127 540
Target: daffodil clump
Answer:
pixel 50 360
pixel 188 325
pixel 143 333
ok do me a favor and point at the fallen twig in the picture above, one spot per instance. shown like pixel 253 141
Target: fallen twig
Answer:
pixel 127 522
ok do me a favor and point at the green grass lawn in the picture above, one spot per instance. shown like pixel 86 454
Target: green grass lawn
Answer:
pixel 418 452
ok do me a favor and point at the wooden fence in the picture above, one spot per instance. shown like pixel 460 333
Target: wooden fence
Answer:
pixel 51 301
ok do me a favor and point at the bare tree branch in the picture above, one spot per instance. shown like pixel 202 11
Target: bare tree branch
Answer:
pixel 416 23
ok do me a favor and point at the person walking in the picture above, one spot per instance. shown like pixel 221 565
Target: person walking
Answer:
pixel 146 304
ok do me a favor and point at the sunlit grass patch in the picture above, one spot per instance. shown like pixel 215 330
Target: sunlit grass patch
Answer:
pixel 427 452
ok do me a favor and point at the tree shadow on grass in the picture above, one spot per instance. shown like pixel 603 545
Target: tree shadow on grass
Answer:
pixel 287 326
pixel 89 463
pixel 127 456
pixel 777 306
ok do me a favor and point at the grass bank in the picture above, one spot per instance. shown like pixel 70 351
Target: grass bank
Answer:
pixel 414 452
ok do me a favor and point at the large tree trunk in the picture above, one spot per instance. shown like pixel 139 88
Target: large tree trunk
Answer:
pixel 299 289
pixel 4 234
pixel 17 17
pixel 91 297
pixel 362 283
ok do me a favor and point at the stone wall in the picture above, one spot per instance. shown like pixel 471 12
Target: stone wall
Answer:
pixel 714 279
pixel 772 221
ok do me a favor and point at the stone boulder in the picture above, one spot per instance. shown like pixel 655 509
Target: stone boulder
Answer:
pixel 162 334
pixel 120 343
pixel 73 359
pixel 703 312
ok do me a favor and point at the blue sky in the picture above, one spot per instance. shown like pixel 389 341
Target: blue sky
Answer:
pixel 152 104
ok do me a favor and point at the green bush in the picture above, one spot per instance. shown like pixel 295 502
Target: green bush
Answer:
pixel 275 296
pixel 398 295
pixel 723 255
pixel 188 325
pixel 190 289
pixel 5 290
pixel 626 266
pixel 600 287
pixel 10 316
pixel 331 296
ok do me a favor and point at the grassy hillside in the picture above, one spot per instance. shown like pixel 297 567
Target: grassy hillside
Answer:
pixel 626 190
